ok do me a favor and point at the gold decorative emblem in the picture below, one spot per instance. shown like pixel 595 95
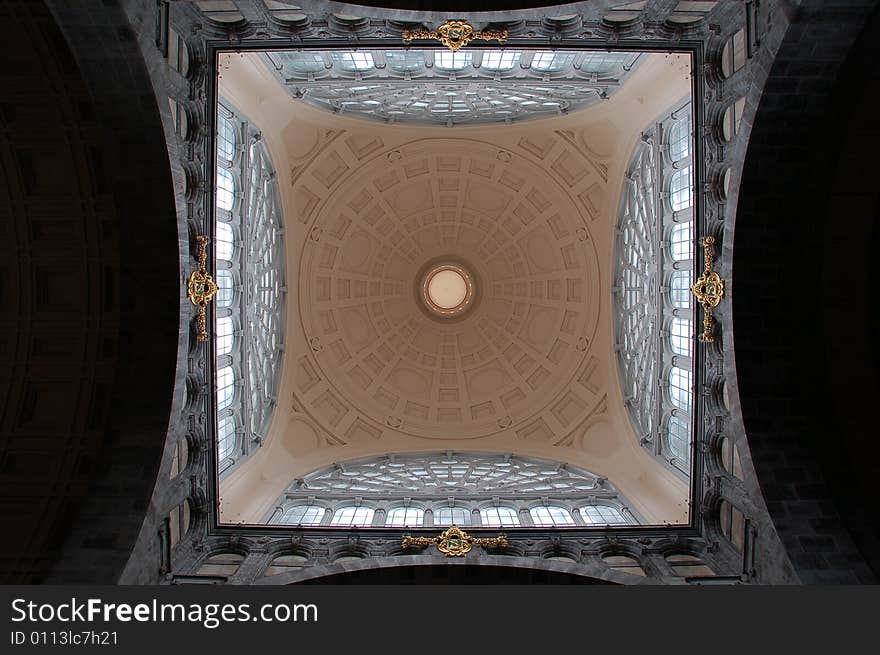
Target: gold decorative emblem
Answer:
pixel 708 289
pixel 201 288
pixel 455 34
pixel 454 542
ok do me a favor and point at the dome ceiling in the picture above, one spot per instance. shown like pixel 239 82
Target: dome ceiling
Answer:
pixel 535 267
pixel 526 213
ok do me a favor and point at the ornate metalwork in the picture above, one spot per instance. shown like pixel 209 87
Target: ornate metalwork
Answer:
pixel 201 288
pixel 455 34
pixel 454 542
pixel 708 289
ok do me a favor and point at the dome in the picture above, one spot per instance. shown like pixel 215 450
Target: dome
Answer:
pixel 450 289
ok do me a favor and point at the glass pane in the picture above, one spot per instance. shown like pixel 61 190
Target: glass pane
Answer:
pixel 224 243
pixel 303 62
pixel 452 61
pixel 404 516
pixel 225 437
pixel 223 334
pixel 224 288
pixel 225 388
pixel 549 62
pixel 302 515
pixel 680 336
pixel 499 516
pixel 680 189
pixel 680 289
pixel 360 516
pixel 225 189
pixel 405 61
pixel 680 388
pixel 678 436
pixel 452 516
pixel 681 243
pixel 353 61
pixel 602 515
pixel 680 137
pixel 604 62
pixel 547 516
pixel 500 60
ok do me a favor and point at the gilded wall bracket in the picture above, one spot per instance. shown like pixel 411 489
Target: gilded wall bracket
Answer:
pixel 708 290
pixel 455 34
pixel 201 288
pixel 454 542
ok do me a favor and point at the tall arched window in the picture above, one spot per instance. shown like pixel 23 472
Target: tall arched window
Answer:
pixel 452 516
pixel 400 517
pixel 453 486
pixel 548 515
pixel 301 515
pixel 654 312
pixel 436 86
pixel 249 308
pixel 353 516
pixel 602 515
pixel 499 517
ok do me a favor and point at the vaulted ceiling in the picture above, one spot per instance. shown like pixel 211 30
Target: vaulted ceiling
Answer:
pixel 529 210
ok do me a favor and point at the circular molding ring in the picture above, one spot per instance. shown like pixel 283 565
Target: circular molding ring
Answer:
pixel 447 288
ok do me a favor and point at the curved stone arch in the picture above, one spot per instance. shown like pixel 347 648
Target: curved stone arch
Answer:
pixel 612 577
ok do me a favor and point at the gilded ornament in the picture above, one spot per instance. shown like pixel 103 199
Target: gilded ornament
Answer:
pixel 455 34
pixel 201 288
pixel 708 289
pixel 454 542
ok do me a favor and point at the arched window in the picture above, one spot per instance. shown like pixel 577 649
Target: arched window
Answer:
pixel 454 485
pixel 452 516
pixel 452 61
pixel 680 289
pixel 680 243
pixel 680 189
pixel 224 241
pixel 353 61
pixel 225 140
pixel 223 333
pixel 681 337
pixel 225 189
pixel 549 515
pixel 499 517
pixel 655 252
pixel 302 62
pixel 602 515
pixel 353 516
pixel 404 61
pixel 225 389
pixel 225 437
pixel 604 63
pixel 680 138
pixel 678 434
pixel 225 293
pixel 443 87
pixel 302 515
pixel 680 388
pixel 248 250
pixel 400 517
pixel 549 62
pixel 500 60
